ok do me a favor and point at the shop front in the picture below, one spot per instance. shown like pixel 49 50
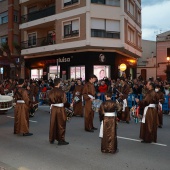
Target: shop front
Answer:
pixel 80 65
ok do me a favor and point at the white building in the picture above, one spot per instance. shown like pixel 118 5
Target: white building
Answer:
pixel 84 31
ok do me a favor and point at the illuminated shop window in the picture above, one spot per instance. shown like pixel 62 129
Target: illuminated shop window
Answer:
pixel 77 72
pixel 101 71
pixel 36 73
pixel 53 72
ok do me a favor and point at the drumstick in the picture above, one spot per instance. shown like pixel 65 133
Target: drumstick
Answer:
pixel 35 104
pixel 118 91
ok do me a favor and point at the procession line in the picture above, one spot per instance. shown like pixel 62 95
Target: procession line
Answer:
pixel 136 140
pixel 29 120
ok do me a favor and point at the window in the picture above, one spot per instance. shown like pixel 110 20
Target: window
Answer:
pixel 139 41
pixel 107 2
pixel 105 28
pixel 3 39
pixel 101 71
pixel 16 16
pixel 98 1
pixel 53 71
pixel 70 2
pixel 130 7
pixel 32 9
pixel 36 73
pixel 15 39
pixel 131 35
pixel 113 2
pixel 139 17
pixel 32 39
pixel 3 17
pixel 77 72
pixel 71 28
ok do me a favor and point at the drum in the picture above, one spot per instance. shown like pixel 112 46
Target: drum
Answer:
pixel 96 105
pixel 69 113
pixel 6 102
pixel 76 99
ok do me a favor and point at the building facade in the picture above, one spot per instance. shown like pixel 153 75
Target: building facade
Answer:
pixel 163 47
pixel 77 38
pixel 9 32
pixel 146 65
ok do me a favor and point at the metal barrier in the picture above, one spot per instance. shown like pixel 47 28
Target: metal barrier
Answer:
pixel 130 100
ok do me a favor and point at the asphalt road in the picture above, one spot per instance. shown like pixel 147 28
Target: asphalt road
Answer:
pixel 83 153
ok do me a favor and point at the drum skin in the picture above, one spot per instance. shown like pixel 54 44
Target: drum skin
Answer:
pixel 6 102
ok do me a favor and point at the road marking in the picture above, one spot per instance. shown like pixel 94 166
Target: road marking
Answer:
pixel 136 140
pixel 29 120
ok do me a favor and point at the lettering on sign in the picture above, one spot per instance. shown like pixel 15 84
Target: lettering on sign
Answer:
pixel 63 60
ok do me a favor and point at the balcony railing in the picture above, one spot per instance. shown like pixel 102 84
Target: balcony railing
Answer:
pixel 104 34
pixel 38 14
pixel 44 41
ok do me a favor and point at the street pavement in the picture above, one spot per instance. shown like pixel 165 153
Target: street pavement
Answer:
pixel 83 152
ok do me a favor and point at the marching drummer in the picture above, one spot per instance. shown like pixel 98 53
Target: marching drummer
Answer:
pixel 89 96
pixel 58 118
pixel 77 99
pixel 21 111
pixel 124 90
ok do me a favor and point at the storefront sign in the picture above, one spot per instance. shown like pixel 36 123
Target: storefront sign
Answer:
pixel 63 60
pixel 102 58
pixel 122 67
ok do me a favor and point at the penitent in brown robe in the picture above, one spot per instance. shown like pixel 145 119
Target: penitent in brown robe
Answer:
pixel 160 113
pixel 148 130
pixel 109 140
pixel 88 89
pixel 58 116
pixel 125 115
pixel 77 107
pixel 21 112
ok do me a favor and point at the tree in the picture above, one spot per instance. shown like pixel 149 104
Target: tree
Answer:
pixel 5 53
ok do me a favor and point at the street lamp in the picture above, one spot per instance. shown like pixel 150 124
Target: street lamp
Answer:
pixel 168 69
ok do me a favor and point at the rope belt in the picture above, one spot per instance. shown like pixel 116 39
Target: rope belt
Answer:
pixel 91 96
pixel 107 114
pixel 20 101
pixel 145 110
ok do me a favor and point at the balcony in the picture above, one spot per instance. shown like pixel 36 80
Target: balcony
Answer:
pixel 44 41
pixel 38 14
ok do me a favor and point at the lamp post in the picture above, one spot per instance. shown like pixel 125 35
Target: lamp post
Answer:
pixel 168 69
